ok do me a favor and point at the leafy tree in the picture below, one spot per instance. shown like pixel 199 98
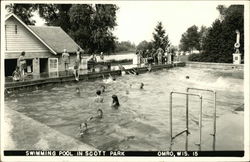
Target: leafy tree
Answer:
pixel 124 46
pixel 190 40
pixel 202 36
pixel 160 39
pixel 89 25
pixel 219 42
pixel 55 14
pixel 23 11
pixel 144 45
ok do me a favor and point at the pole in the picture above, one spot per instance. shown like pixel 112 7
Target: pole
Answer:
pixel 200 122
pixel 187 131
pixel 214 135
pixel 170 113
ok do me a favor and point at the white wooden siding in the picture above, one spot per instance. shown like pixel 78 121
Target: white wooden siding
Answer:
pixel 23 40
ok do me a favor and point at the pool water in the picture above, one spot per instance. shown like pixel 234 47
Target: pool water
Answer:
pixel 142 120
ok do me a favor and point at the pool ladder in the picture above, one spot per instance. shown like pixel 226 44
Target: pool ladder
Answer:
pixel 187 123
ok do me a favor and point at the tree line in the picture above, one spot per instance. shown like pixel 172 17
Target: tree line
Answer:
pixel 216 43
pixel 90 25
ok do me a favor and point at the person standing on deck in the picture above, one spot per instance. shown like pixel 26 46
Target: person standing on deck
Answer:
pixel 159 55
pixel 21 63
pixel 77 64
pixel 101 56
pixel 65 58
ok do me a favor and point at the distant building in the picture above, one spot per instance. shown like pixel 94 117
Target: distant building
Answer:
pixel 43 46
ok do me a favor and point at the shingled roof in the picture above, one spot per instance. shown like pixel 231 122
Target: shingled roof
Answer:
pixel 56 38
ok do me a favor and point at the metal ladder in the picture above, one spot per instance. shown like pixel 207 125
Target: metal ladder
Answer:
pixel 187 118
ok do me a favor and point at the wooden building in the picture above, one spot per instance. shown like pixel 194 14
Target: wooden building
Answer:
pixel 43 46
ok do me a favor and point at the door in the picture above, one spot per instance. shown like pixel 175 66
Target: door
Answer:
pixel 53 67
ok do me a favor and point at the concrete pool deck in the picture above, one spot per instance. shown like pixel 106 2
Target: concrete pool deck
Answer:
pixel 24 133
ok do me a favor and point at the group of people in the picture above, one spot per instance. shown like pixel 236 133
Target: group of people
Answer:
pixel 99 99
pixel 158 56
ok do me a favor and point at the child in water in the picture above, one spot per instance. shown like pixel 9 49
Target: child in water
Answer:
pixel 77 90
pixel 103 88
pixel 115 102
pixel 84 126
pixel 141 86
pixel 99 98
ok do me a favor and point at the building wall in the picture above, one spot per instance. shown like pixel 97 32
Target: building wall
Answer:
pixel 18 38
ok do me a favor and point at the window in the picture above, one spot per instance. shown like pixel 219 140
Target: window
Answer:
pixel 53 64
pixel 15 29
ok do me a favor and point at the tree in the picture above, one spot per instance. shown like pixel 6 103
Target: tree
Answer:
pixel 89 25
pixel 160 39
pixel 219 42
pixel 23 11
pixel 190 40
pixel 124 46
pixel 55 14
pixel 144 45
pixel 202 36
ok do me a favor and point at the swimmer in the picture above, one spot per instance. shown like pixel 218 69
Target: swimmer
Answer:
pixel 78 91
pixel 187 77
pixel 83 128
pixel 111 78
pixel 115 102
pixel 98 116
pixel 103 88
pixel 127 92
pixel 99 98
pixel 141 86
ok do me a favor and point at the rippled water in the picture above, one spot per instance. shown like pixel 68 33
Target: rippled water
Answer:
pixel 142 121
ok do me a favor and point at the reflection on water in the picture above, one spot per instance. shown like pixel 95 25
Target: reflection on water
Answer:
pixel 142 120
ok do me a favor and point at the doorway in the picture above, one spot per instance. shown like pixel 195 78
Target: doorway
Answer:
pixel 44 65
pixel 10 66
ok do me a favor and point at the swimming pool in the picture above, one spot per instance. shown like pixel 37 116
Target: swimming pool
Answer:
pixel 142 121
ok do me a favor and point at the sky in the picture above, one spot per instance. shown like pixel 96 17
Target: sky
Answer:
pixel 137 20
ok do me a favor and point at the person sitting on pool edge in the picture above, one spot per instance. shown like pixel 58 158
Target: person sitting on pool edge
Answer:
pixel 99 98
pixel 115 102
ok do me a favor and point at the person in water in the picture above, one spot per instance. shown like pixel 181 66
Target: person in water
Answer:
pixel 77 90
pixel 115 102
pixel 84 126
pixel 103 88
pixel 141 86
pixel 99 98
pixel 98 116
pixel 187 77
pixel 111 77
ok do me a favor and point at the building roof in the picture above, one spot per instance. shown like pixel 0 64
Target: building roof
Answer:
pixel 56 38
pixel 52 37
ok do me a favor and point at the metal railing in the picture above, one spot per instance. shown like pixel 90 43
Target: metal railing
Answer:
pixel 187 128
pixel 187 117
pixel 214 115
